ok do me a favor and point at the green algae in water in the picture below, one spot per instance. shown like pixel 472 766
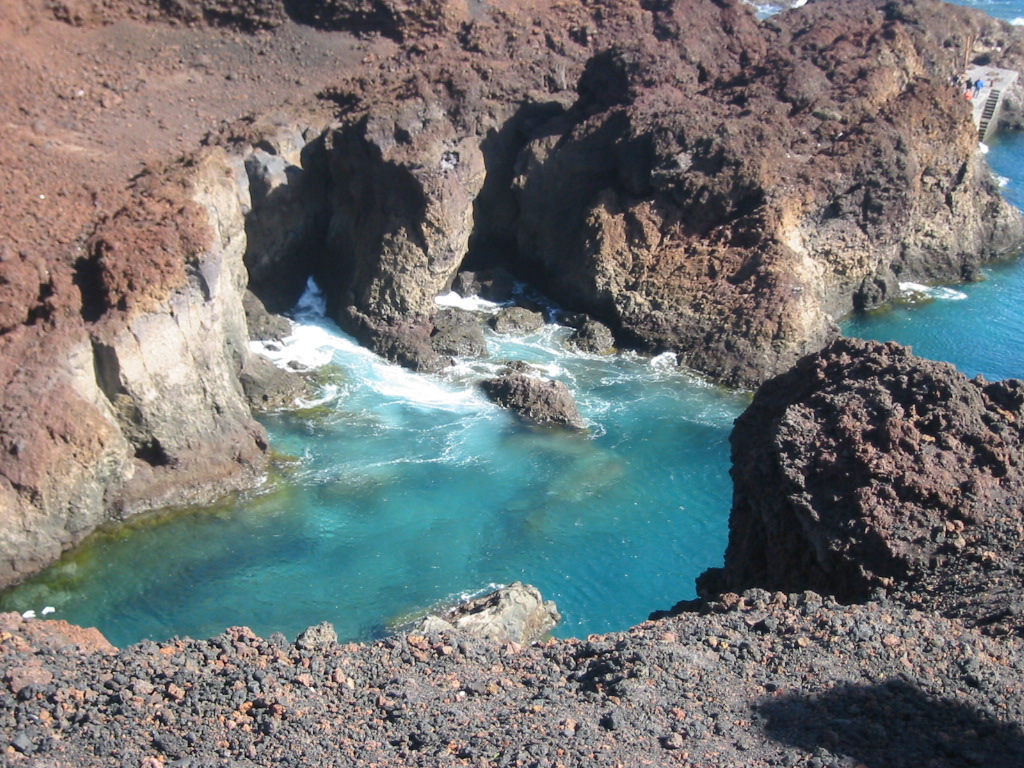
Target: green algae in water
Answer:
pixel 412 489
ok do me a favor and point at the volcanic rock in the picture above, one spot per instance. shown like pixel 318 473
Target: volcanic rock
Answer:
pixel 594 337
pixel 493 285
pixel 514 320
pixel 458 332
pixel 867 468
pixel 537 400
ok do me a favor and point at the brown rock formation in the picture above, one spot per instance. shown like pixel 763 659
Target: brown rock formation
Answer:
pixel 537 400
pixel 867 468
pixel 694 179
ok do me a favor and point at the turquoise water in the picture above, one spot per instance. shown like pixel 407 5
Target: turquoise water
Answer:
pixel 980 326
pixel 411 489
pixel 407 490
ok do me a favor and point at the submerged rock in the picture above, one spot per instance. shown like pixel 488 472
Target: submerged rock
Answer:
pixel 540 401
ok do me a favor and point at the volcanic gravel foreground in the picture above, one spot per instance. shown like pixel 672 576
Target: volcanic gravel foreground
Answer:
pixel 927 670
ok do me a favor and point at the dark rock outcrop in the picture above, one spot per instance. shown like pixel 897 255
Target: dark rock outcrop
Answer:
pixel 867 468
pixel 493 285
pixel 728 190
pixel 458 332
pixel 697 180
pixel 594 337
pixel 512 320
pixel 540 401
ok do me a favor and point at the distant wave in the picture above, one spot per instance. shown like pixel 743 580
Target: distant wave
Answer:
pixel 933 291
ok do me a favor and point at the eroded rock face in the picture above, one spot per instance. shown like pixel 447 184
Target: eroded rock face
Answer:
pixel 864 468
pixel 698 181
pixel 147 409
pixel 730 199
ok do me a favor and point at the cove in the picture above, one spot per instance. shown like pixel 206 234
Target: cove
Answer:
pixel 409 489
pixel 398 490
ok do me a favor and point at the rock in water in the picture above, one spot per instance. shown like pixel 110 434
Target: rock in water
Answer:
pixel 320 636
pixel 516 613
pixel 594 337
pixel 517 320
pixel 458 332
pixel 541 401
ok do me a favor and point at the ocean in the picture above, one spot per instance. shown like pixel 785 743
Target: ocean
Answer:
pixel 395 492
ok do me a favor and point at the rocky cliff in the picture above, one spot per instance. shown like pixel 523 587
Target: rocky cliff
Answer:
pixel 140 405
pixel 697 180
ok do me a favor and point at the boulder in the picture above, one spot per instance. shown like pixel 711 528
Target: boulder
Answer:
pixel 514 320
pixel 866 468
pixel 317 637
pixel 493 284
pixel 268 387
pixel 540 401
pixel 513 614
pixel 594 337
pixel 458 332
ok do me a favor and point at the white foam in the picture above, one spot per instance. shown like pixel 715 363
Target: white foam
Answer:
pixel 308 346
pixel 419 389
pixel 1018 22
pixel 983 147
pixel 933 291
pixel 1003 180
pixel 312 302
pixel 665 361
pixel 471 303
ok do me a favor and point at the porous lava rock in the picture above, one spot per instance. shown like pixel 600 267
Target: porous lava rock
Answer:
pixel 458 332
pixel 867 468
pixel 593 336
pixel 513 320
pixel 536 400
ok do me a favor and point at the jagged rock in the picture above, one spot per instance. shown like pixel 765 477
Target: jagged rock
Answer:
pixel 665 200
pixel 493 285
pixel 864 468
pixel 263 325
pixel 317 637
pixel 594 337
pixel 516 613
pixel 510 320
pixel 403 342
pixel 268 387
pixel 458 332
pixel 541 401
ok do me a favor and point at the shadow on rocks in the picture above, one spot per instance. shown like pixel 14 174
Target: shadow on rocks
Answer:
pixel 891 725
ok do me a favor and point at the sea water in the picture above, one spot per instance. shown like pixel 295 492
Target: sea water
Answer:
pixel 396 491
